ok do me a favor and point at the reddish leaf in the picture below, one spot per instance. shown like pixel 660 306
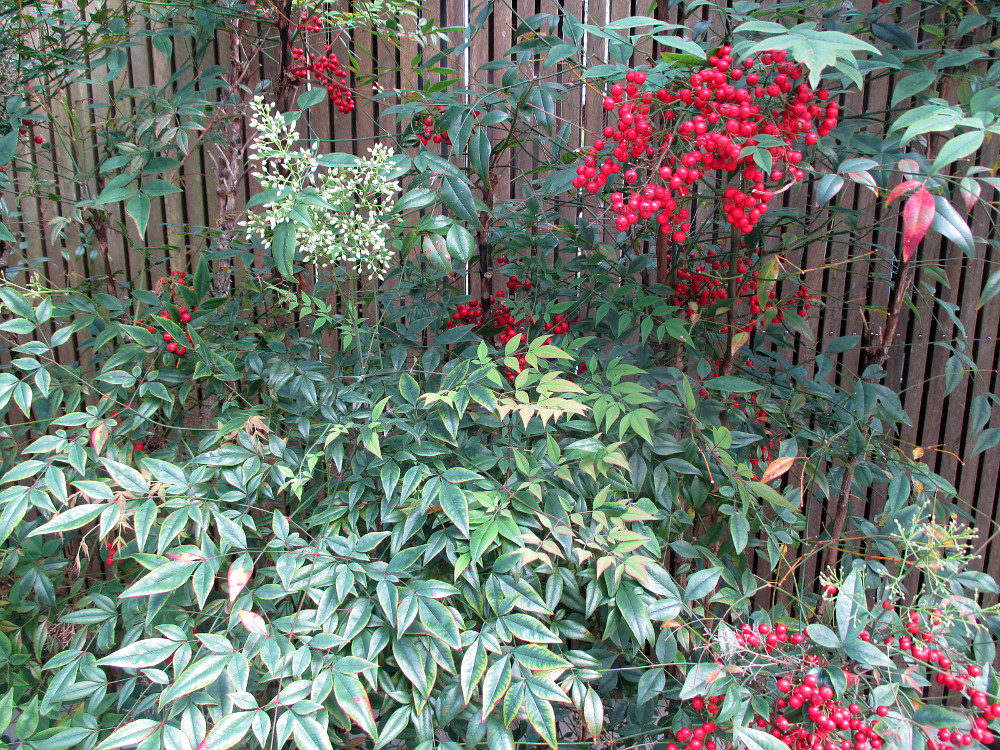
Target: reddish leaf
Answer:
pixel 183 556
pixel 239 574
pixel 917 217
pixel 99 437
pixel 252 622
pixel 904 187
pixel 777 467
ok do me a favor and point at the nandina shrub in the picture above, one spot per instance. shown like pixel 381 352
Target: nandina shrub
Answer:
pixel 571 509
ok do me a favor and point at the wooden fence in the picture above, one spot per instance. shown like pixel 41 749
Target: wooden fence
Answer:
pixel 849 272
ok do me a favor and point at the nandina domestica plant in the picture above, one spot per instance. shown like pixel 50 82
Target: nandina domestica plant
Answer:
pixel 499 432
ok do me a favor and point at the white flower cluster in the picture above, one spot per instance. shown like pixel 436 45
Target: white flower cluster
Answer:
pixel 338 221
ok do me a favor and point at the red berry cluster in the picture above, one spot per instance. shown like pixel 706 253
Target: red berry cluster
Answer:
pixel 178 278
pixel 809 716
pixel 700 281
pixel 110 560
pixel 699 737
pixel 430 133
pixel 326 71
pixel 467 313
pixel 25 129
pixel 501 315
pixel 759 102
pixel 310 22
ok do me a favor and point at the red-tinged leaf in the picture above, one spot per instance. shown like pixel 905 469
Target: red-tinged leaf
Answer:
pixel 777 468
pixel 918 213
pixel 99 437
pixel 252 622
pixel 593 713
pixel 970 190
pixel 239 574
pixel 183 556
pixel 904 187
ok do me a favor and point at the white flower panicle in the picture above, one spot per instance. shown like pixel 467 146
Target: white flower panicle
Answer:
pixel 339 220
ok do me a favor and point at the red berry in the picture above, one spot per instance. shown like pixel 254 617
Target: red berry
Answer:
pixel 140 447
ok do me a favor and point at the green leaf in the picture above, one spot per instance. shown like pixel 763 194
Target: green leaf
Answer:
pixel 140 654
pixel 310 734
pixel 474 663
pixel 732 384
pixel 13 513
pixel 912 84
pixel 495 683
pixel 412 663
pixel 94 490
pixel 633 611
pixel 440 622
pixel 894 34
pixel 311 98
pixel 988 439
pixel 958 147
pixel 166 577
pixel 18 325
pixel 948 223
pixel 7 708
pixel 230 730
pixel 338 159
pixel 460 242
pixel 16 303
pixel 954 373
pixel 410 390
pixel 480 152
pixel 73 518
pixel 538 658
pixel 129 735
pixel 393 726
pixel 414 200
pixel 455 505
pixel 61 738
pixel 353 701
pixel 699 678
pixel 527 628
pixel 755 739
pixel 822 635
pixel 540 716
pixel 198 674
pixel 686 46
pixel 701 584
pixel 938 717
pixel 114 195
pixel 159 188
pixel 457 196
pixel 283 243
pixel 138 208
pixel 867 654
pixel 990 289
pixel 126 477
pixel 827 187
pixel 8 145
